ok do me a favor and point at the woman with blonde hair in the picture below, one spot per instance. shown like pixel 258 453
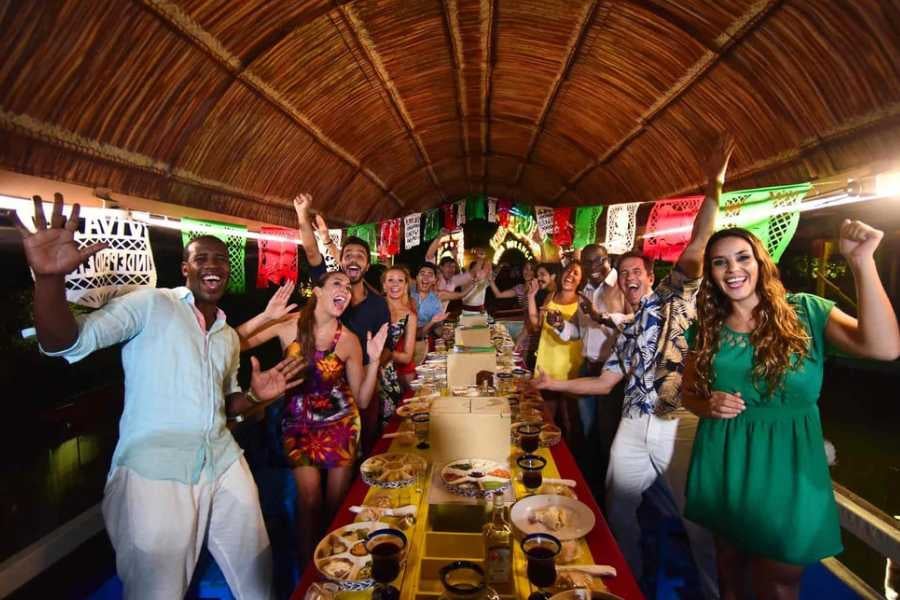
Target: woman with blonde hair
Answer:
pixel 396 375
pixel 758 477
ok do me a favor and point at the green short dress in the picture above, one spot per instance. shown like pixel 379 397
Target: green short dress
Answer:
pixel 761 480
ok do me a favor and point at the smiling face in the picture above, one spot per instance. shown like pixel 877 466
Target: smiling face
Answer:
pixel 354 262
pixel 596 264
pixel 571 278
pixel 395 284
pixel 734 269
pixel 448 269
pixel 544 277
pixel 527 272
pixel 425 280
pixel 333 296
pixel 205 268
pixel 635 280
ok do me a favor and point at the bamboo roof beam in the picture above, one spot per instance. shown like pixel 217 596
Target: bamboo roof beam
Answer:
pixel 72 142
pixel 488 14
pixel 726 42
pixel 358 41
pixel 176 19
pixel 883 118
pixel 454 41
pixel 575 46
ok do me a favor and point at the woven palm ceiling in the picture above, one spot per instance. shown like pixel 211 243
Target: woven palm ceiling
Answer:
pixel 380 108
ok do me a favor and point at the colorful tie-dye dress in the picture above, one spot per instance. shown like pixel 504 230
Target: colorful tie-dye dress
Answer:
pixel 321 423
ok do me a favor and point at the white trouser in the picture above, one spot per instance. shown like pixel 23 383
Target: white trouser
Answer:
pixel 157 528
pixel 647 449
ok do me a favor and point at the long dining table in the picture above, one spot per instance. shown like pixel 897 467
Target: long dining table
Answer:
pixel 603 549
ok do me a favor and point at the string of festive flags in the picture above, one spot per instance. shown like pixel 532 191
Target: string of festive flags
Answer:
pixel 771 213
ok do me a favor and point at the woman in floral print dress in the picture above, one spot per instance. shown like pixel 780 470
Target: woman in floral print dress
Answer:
pixel 321 424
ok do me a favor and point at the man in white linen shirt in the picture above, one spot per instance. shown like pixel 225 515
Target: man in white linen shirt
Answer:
pixel 177 475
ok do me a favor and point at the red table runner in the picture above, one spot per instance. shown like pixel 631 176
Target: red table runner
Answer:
pixel 600 540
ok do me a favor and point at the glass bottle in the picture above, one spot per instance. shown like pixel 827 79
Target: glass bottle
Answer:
pixel 498 538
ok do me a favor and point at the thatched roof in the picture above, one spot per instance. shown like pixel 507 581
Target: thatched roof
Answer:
pixel 383 107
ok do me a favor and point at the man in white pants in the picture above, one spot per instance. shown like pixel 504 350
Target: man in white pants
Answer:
pixel 656 435
pixel 177 474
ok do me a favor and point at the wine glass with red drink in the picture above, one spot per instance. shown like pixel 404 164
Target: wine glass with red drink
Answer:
pixel 541 550
pixel 529 437
pixel 387 547
pixel 531 466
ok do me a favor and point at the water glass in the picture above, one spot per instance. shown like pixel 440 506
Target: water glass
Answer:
pixel 541 550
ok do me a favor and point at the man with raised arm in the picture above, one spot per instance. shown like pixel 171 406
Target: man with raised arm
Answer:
pixel 655 436
pixel 177 474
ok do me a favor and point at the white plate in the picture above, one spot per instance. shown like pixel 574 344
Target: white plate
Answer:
pixel 349 536
pixel 581 519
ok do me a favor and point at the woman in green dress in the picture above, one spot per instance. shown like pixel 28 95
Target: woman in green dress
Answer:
pixel 758 478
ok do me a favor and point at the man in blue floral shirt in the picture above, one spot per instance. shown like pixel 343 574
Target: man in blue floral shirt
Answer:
pixel 655 436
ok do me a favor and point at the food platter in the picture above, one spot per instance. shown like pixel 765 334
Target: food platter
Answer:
pixel 342 557
pixel 562 517
pixel 392 469
pixel 475 477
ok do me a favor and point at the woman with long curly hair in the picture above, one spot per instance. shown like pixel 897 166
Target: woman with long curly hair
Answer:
pixel 759 478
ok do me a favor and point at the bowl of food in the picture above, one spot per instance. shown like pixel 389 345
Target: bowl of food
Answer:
pixel 392 469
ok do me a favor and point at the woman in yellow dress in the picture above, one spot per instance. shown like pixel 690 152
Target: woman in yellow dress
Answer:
pixel 558 358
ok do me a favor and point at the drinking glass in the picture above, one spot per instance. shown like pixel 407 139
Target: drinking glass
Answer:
pixel 387 547
pixel 529 437
pixel 541 550
pixel 531 466
pixel 421 422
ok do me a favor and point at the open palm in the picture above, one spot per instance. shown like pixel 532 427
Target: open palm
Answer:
pixel 270 384
pixel 278 306
pixel 52 250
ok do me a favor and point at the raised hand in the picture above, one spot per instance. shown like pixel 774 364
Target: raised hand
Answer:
pixel 533 287
pixel 302 204
pixel 278 306
pixel 723 405
pixel 268 385
pixel 322 227
pixel 52 250
pixel 374 345
pixel 858 241
pixel 717 162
